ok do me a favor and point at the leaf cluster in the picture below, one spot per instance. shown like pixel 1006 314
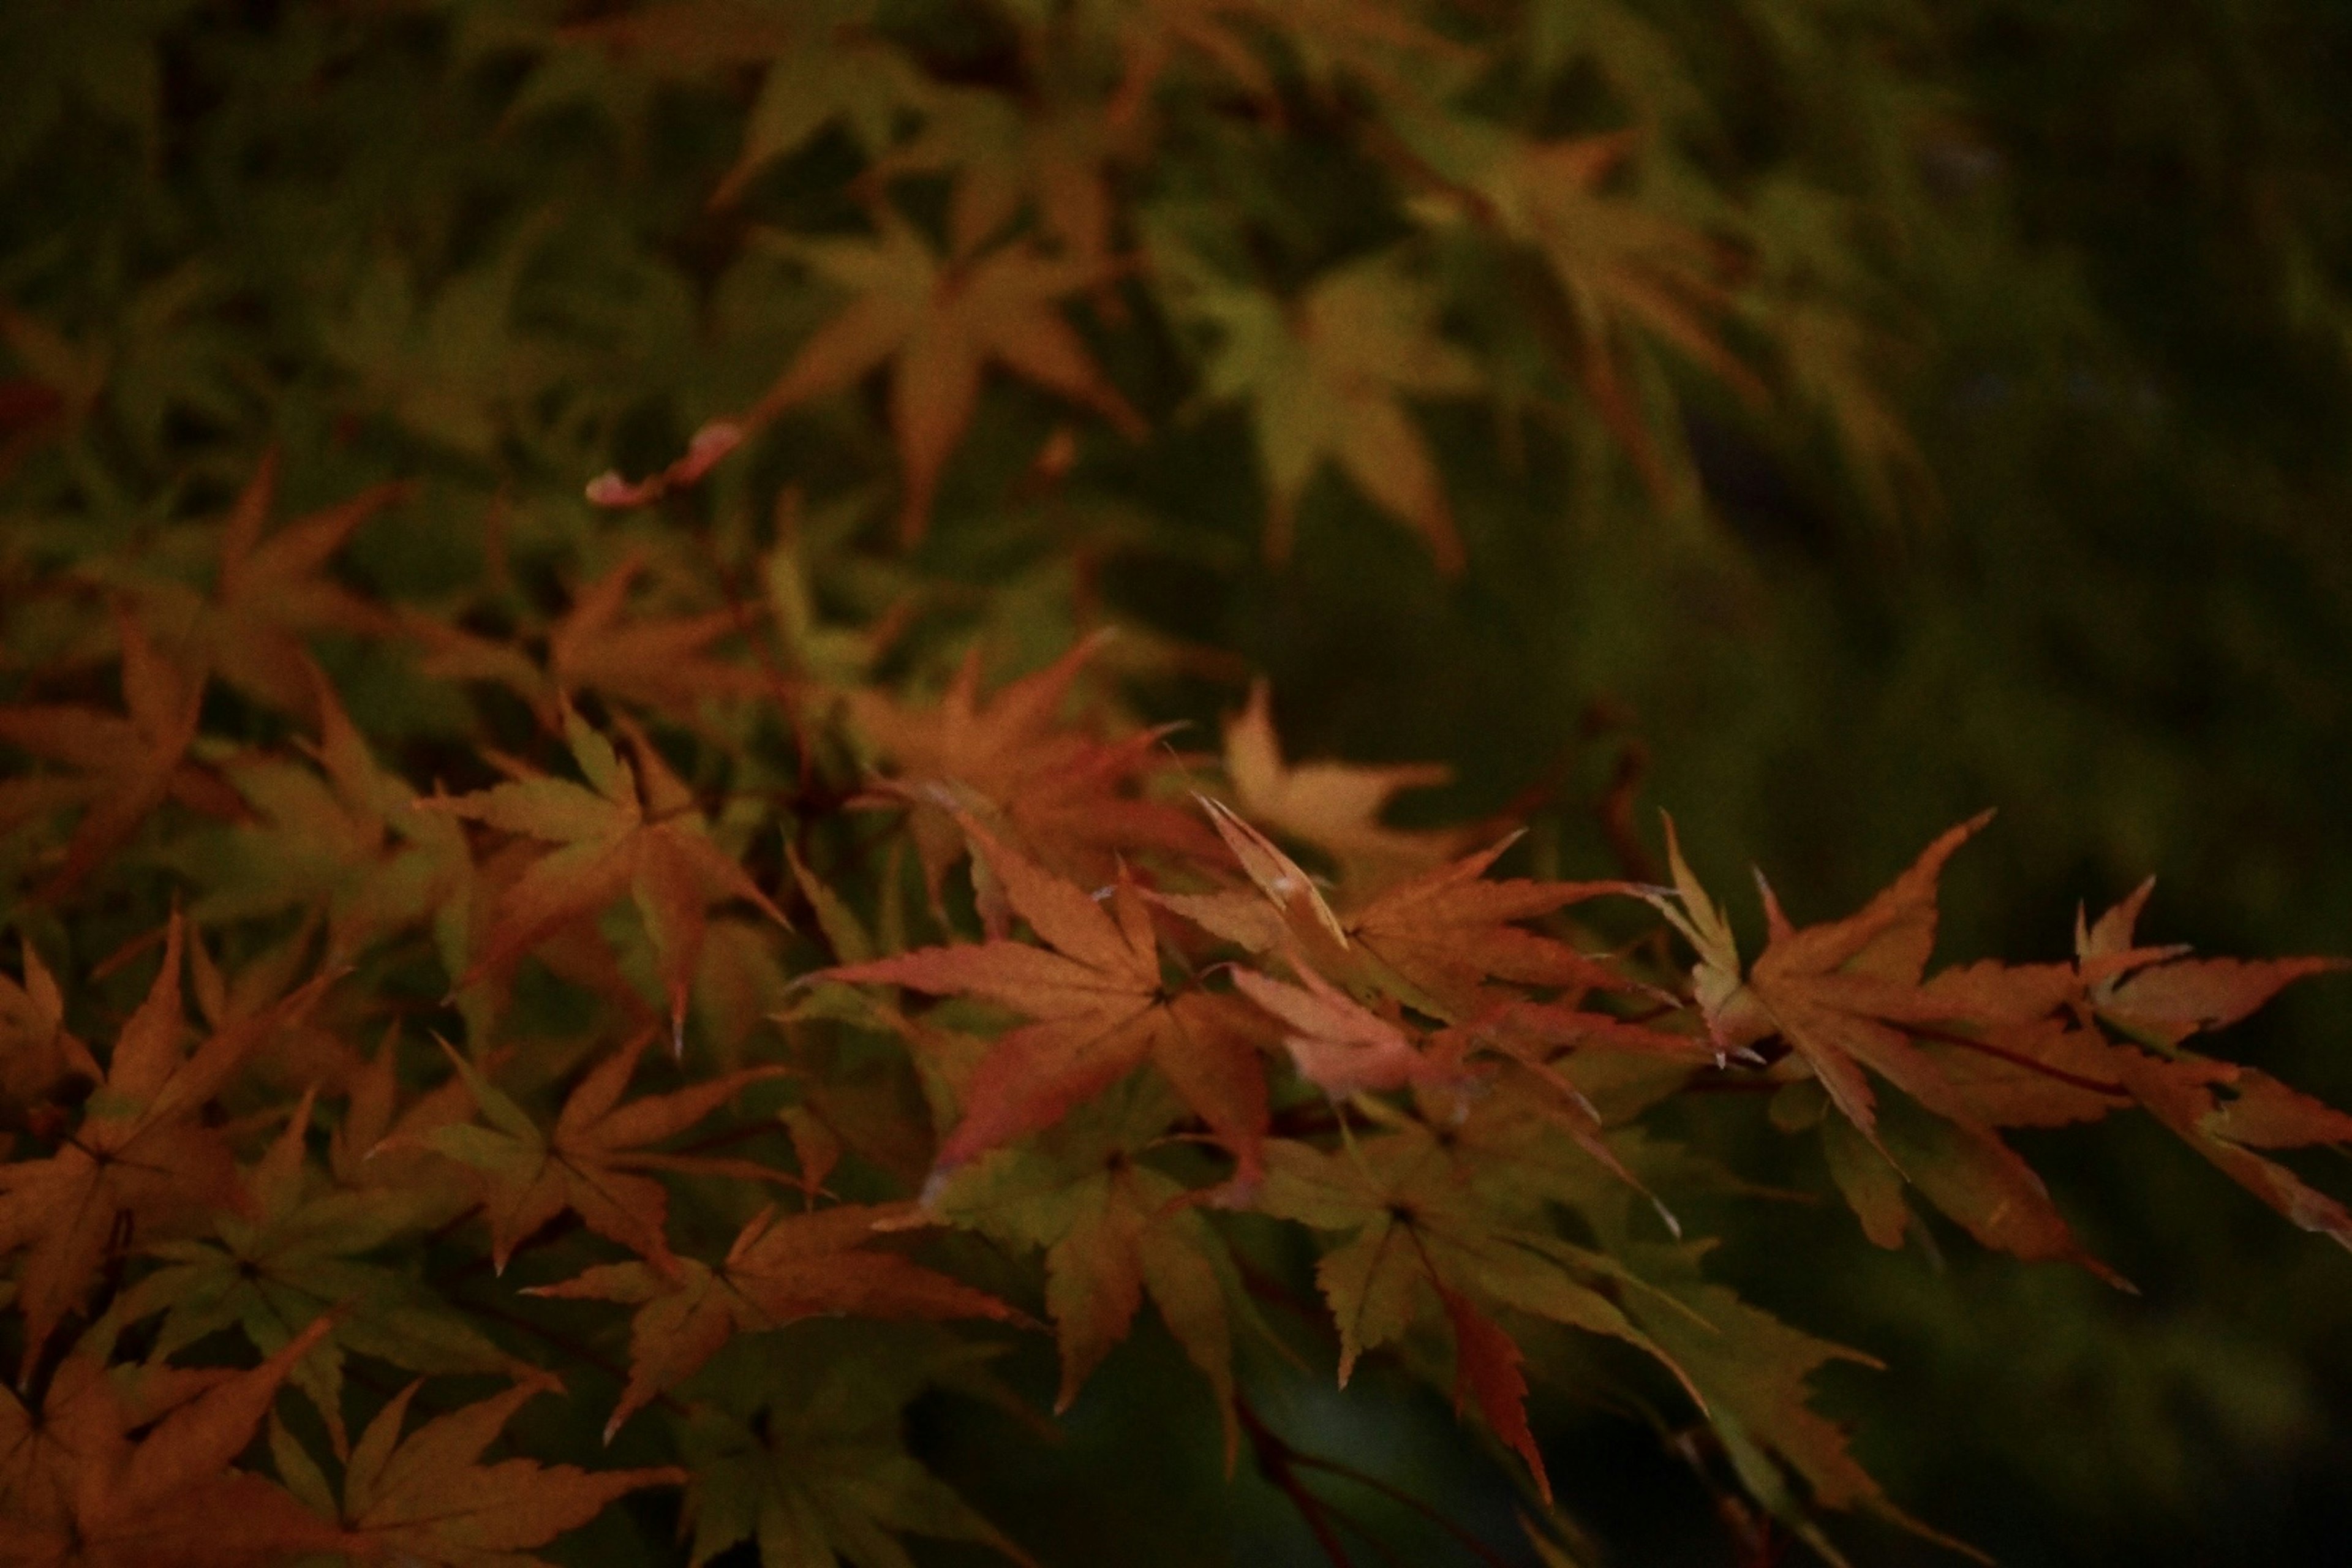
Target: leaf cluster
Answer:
pixel 547 1002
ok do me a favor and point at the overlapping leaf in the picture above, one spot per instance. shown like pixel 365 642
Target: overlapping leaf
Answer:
pixel 1114 1229
pixel 1099 1006
pixel 1043 786
pixel 122 766
pixel 937 327
pixel 427 1500
pixel 593 1162
pixel 634 832
pixel 780 1269
pixel 140 1166
pixel 78 1491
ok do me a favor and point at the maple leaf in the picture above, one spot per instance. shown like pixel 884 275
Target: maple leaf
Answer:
pixel 1754 1373
pixel 64 382
pixel 2222 1110
pixel 296 1050
pixel 1098 1008
pixel 272 593
pixel 1618 264
pixel 1336 806
pixel 1324 375
pixel 1006 153
pixel 1843 995
pixel 140 1167
pixel 659 665
pixel 634 832
pixel 1340 1046
pixel 819 1471
pixel 339 836
pixel 938 328
pixel 37 1055
pixel 1113 1230
pixel 1415 1230
pixel 427 1500
pixel 1047 790
pixel 835 71
pixel 779 1271
pixel 287 1260
pixel 1375 41
pixel 591 1165
pixel 77 1492
pixel 2159 996
pixel 125 767
pixel 1434 942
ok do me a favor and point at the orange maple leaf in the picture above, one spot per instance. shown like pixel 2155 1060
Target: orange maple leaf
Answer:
pixel 636 833
pixel 1342 1046
pixel 2222 1110
pixel 1619 266
pixel 1335 807
pixel 1007 153
pixel 428 1501
pixel 1846 996
pixel 1435 942
pixel 1375 41
pixel 1049 790
pixel 271 593
pixel 779 1271
pixel 123 767
pixel 139 1164
pixel 77 1492
pixel 1099 1008
pixel 37 1055
pixel 661 664
pixel 938 327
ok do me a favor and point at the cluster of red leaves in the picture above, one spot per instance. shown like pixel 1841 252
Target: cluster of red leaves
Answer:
pixel 1157 1016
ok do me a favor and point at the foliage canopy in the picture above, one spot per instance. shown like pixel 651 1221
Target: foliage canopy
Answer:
pixel 616 920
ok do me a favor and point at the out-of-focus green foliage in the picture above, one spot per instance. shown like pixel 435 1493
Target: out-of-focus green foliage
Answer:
pixel 1821 418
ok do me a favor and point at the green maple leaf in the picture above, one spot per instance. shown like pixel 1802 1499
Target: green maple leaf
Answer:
pixel 593 1162
pixel 1114 1230
pixel 1754 1373
pixel 339 836
pixel 453 367
pixel 1416 1231
pixel 1625 271
pixel 291 1256
pixel 818 1472
pixel 1325 377
pixel 781 1270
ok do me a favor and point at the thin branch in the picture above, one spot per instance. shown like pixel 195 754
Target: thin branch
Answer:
pixel 1275 1461
pixel 1398 1495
